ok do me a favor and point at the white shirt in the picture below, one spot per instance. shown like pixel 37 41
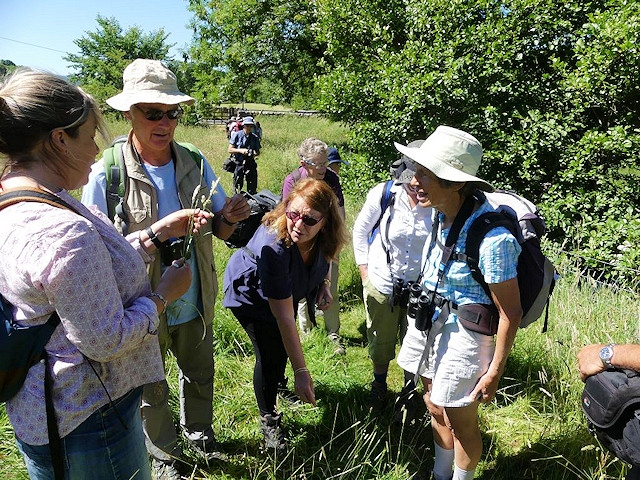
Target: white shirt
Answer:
pixel 403 232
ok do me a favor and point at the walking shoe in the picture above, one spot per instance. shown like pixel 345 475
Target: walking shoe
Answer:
pixel 377 397
pixel 165 469
pixel 285 393
pixel 272 433
pixel 406 407
pixel 338 344
pixel 208 449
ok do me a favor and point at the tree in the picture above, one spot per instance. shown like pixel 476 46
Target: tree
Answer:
pixel 257 43
pixel 6 67
pixel 105 53
pixel 550 88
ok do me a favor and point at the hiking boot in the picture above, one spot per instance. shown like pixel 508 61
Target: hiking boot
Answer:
pixel 377 397
pixel 285 393
pixel 272 433
pixel 339 348
pixel 207 448
pixel 166 469
pixel 406 407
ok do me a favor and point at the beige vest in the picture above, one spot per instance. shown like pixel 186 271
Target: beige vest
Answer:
pixel 141 210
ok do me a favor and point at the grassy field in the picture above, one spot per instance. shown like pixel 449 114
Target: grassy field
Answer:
pixel 533 430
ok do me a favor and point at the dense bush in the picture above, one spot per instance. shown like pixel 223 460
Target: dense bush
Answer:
pixel 550 88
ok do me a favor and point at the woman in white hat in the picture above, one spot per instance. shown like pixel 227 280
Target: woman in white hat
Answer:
pixel 460 368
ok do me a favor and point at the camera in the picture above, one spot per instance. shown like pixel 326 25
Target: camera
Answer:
pixel 172 250
pixel 421 307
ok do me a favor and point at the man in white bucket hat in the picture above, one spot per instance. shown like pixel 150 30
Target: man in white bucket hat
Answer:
pixel 159 177
pixel 460 366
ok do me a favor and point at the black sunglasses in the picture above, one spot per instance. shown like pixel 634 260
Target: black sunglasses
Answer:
pixel 306 219
pixel 155 115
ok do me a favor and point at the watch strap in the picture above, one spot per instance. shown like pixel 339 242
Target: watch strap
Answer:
pixel 152 236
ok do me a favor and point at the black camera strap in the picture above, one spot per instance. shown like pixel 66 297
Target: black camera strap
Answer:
pixel 447 252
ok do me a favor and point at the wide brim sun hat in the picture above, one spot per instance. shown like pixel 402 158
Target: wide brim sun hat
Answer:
pixel 148 81
pixel 248 121
pixel 402 170
pixel 450 154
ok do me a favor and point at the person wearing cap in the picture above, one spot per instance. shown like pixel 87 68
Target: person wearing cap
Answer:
pixel 335 162
pixel 314 162
pixel 245 146
pixel 459 368
pixel 160 178
pixel 387 245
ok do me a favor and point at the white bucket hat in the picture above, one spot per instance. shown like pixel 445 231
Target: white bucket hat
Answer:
pixel 450 154
pixel 148 81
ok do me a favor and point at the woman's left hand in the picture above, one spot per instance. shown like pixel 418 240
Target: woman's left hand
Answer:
pixel 177 223
pixel 324 297
pixel 486 388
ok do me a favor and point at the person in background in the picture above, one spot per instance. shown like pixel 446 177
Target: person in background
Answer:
pixel 460 367
pixel 245 147
pixel 259 131
pixel 335 162
pixel 161 177
pixel 388 251
pixel 286 260
pixel 598 357
pixel 313 155
pixel 78 265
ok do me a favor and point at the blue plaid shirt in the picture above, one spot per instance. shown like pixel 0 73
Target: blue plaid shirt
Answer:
pixel 498 261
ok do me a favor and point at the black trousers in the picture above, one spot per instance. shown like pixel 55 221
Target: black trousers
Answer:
pixel 271 357
pixel 248 169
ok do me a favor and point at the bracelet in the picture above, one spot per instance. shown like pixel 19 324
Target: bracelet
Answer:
pixel 152 236
pixel 224 220
pixel 327 282
pixel 162 299
pixel 301 369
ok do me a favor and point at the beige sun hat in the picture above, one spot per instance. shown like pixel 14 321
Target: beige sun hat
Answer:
pixel 148 81
pixel 450 154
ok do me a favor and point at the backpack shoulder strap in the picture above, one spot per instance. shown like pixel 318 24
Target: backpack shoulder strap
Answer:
pixel 477 231
pixel 193 150
pixel 113 169
pixel 11 197
pixel 386 200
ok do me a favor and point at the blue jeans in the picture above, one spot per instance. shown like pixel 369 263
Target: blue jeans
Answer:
pixel 100 448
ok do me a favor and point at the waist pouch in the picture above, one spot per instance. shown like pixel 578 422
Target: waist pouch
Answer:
pixel 479 318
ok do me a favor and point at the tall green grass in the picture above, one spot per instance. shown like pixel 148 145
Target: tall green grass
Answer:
pixel 533 430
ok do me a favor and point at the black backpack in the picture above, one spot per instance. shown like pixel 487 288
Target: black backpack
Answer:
pixel 611 403
pixel 536 274
pixel 262 202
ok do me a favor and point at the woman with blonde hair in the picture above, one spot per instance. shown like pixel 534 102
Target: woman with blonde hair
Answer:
pixel 286 260
pixel 72 262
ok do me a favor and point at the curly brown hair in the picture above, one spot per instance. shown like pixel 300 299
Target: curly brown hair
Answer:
pixel 320 197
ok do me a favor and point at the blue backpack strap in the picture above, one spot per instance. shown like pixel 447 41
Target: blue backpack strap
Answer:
pixel 386 201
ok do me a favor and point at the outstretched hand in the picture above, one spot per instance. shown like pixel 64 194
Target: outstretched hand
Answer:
pixel 177 223
pixel 236 208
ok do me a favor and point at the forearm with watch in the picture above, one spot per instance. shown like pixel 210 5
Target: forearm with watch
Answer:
pixel 152 238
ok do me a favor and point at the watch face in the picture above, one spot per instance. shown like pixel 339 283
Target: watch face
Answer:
pixel 605 355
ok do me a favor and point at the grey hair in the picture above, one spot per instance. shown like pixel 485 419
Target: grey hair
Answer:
pixel 34 103
pixel 312 147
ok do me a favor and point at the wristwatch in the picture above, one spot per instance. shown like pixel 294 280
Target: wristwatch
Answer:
pixel 606 354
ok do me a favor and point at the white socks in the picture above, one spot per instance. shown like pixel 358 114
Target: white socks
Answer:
pixel 443 463
pixel 460 474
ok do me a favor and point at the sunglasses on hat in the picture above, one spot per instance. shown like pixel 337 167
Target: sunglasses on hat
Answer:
pixel 306 219
pixel 155 115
